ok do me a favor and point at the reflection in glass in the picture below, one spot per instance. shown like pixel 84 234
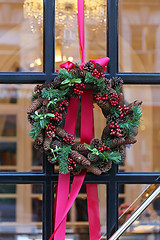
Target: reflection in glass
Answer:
pixel 66 31
pixel 20 212
pixel 16 147
pixel 20 47
pixel 147 224
pixel 139 33
pixel 143 156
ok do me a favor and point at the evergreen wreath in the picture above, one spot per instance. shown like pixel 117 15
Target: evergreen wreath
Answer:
pixel 47 115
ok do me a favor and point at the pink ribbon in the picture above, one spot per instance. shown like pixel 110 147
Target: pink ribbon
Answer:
pixel 63 203
pixel 67 65
pixel 87 134
pixel 80 4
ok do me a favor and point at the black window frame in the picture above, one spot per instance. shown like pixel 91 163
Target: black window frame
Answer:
pixel 48 178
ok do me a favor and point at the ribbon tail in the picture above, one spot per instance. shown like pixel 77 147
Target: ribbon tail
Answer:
pixel 87 133
pixel 93 211
pixel 62 198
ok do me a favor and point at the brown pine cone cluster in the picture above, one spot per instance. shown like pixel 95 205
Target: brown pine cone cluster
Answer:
pixel 89 67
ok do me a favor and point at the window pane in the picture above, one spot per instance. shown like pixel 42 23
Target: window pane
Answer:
pixel 66 31
pixel 139 32
pixel 20 212
pixel 16 147
pixel 143 156
pixel 21 41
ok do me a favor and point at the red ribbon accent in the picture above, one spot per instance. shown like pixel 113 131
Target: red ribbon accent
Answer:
pixel 67 65
pixel 64 180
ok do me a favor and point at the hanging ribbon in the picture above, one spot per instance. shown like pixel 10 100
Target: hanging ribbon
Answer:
pixel 87 134
pixel 63 203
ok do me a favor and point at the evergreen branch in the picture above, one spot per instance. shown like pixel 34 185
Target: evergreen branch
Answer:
pixel 89 78
pixel 133 122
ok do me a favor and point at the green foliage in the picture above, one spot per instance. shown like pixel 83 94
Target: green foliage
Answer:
pixel 132 122
pixel 70 82
pixel 53 94
pixel 61 154
pixel 34 96
pixel 41 121
pixel 107 156
pixel 89 78
pixel 110 156
pixel 35 130
pixel 114 111
pixel 65 74
pixel 118 89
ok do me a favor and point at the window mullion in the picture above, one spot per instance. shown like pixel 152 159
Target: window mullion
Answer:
pixel 112 36
pixel 48 38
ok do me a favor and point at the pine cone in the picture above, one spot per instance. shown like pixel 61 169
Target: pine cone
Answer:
pixel 30 120
pixel 89 67
pixel 45 102
pixel 79 147
pixel 107 83
pixel 43 110
pixel 92 157
pixel 99 67
pixel 56 144
pixel 49 158
pixel 121 99
pixel 106 132
pixel 122 151
pixel 79 158
pixel 106 166
pixel 38 90
pixel 36 146
pixel 117 142
pixel 75 71
pixel 96 142
pixel 93 170
pixel 40 139
pixel 47 142
pixel 57 82
pixel 60 132
pixel 82 73
pixel 116 81
pixel 133 104
pixel 36 104
pixel 105 106
pixel 130 141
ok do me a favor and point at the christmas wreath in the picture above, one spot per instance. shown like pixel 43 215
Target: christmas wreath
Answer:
pixel 47 116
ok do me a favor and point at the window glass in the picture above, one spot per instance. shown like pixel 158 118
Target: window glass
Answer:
pixel 21 41
pixel 20 211
pixel 16 146
pixel 139 32
pixel 146 226
pixel 66 31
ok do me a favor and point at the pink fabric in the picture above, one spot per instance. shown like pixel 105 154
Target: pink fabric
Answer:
pixel 102 61
pixel 64 180
pixel 81 27
pixel 67 65
pixel 93 211
pixel 87 134
pixel 87 125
